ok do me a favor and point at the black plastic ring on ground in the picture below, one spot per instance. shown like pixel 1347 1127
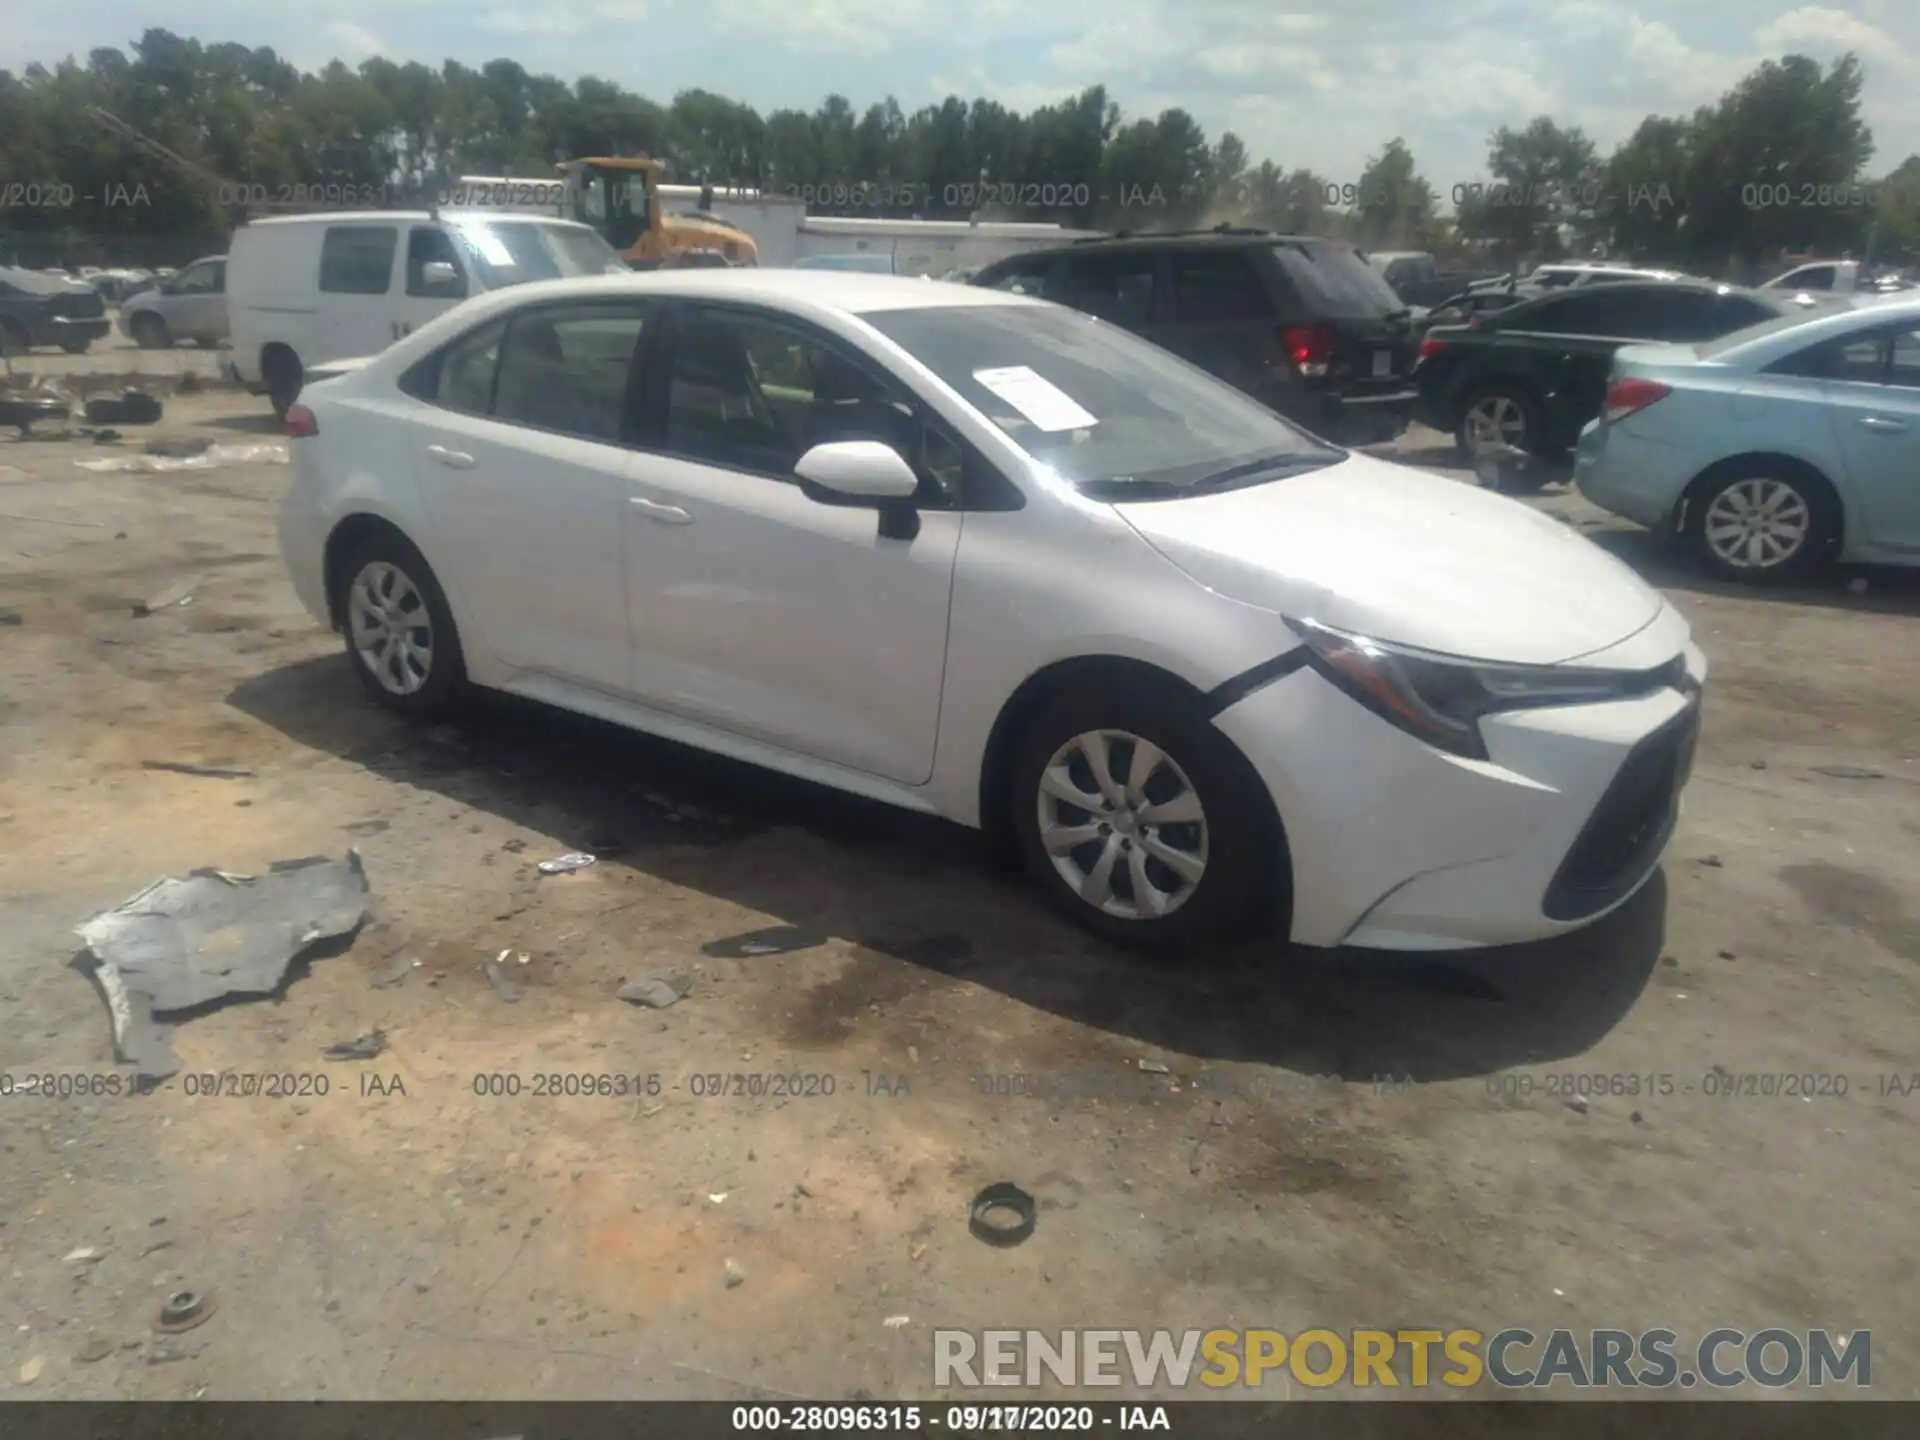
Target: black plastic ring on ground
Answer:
pixel 1002 1196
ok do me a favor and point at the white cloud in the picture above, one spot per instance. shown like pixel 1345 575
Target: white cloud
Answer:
pixel 1269 61
pixel 352 43
pixel 530 22
pixel 858 27
pixel 1823 28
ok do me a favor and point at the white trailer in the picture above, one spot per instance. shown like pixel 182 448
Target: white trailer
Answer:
pixel 785 233
pixel 931 247
pixel 772 221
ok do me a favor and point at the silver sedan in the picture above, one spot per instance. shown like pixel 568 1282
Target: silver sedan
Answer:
pixel 1773 448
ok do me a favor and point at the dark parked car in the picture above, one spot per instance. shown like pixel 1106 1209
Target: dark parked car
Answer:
pixel 1303 325
pixel 1416 277
pixel 1529 376
pixel 41 309
pixel 1470 307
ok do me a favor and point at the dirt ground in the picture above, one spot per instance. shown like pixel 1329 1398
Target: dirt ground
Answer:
pixel 403 1236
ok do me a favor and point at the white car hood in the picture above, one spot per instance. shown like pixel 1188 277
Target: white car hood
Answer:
pixel 1389 552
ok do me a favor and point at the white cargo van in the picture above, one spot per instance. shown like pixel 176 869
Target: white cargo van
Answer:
pixel 304 290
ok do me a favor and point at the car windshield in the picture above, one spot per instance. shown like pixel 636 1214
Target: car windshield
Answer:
pixel 1337 281
pixel 507 252
pixel 1102 410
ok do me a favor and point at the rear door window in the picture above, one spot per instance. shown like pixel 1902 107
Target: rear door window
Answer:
pixel 1903 367
pixel 1682 315
pixel 1114 286
pixel 1209 288
pixel 1571 314
pixel 358 259
pixel 565 368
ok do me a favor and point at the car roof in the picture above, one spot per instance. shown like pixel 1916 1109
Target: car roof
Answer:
pixel 1175 240
pixel 1652 286
pixel 400 217
pixel 852 292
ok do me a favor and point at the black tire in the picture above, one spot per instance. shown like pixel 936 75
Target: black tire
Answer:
pixel 150 332
pixel 1521 404
pixel 14 339
pixel 1245 866
pixel 1786 491
pixel 283 374
pixel 76 347
pixel 445 678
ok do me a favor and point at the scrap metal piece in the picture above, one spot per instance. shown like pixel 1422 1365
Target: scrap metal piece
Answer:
pixel 181 943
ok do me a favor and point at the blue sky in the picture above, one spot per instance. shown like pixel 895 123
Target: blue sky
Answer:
pixel 1323 85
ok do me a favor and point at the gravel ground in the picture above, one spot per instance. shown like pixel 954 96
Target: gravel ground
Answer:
pixel 403 1236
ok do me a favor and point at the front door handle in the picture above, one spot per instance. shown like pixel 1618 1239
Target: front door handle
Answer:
pixel 1881 424
pixel 662 514
pixel 452 459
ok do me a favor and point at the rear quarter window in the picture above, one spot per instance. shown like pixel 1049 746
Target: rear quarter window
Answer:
pixel 1333 280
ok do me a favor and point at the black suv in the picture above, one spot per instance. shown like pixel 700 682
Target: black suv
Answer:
pixel 37 309
pixel 1303 325
pixel 1530 376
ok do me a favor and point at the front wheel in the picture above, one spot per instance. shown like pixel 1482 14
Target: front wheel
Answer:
pixel 400 634
pixel 1142 821
pixel 1763 525
pixel 75 347
pixel 150 332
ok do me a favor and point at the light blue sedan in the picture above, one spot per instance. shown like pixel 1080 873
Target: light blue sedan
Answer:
pixel 1773 448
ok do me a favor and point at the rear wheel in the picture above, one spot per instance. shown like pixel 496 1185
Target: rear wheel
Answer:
pixel 75 347
pixel 1495 419
pixel 400 633
pixel 150 331
pixel 281 371
pixel 14 339
pixel 1763 523
pixel 1142 822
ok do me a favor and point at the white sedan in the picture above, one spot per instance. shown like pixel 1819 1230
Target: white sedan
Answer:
pixel 981 556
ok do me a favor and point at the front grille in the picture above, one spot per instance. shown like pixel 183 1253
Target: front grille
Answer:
pixel 1630 825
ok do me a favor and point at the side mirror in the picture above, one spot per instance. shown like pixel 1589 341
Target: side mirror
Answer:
pixel 443 276
pixel 859 470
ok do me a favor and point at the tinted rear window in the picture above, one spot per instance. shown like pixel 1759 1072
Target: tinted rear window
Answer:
pixel 1336 281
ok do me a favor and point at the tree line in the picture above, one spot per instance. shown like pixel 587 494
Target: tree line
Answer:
pixel 1781 163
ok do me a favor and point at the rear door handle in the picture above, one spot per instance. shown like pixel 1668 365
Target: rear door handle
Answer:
pixel 1880 423
pixel 452 459
pixel 663 514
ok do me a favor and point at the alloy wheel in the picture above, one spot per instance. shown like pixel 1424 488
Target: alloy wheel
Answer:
pixel 1493 421
pixel 1758 524
pixel 1123 825
pixel 391 628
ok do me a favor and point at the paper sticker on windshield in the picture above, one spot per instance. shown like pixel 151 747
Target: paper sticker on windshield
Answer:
pixel 1037 398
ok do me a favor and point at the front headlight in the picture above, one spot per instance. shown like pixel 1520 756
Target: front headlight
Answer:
pixel 1440 698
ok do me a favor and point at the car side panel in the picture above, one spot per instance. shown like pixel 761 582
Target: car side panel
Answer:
pixel 1039 586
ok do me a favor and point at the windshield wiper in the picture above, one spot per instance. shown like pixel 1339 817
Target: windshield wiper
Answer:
pixel 1267 465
